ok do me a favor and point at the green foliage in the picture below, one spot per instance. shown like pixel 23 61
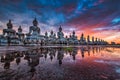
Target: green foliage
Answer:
pixel 68 49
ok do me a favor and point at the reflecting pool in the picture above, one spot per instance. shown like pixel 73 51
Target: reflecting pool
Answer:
pixel 60 63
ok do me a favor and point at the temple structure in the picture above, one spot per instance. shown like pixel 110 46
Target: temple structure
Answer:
pixel 34 37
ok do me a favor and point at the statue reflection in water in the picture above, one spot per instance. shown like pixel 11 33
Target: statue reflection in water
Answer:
pixel 89 49
pixel 33 56
pixel 74 52
pixel 46 51
pixel 10 57
pixel 60 55
pixel 82 51
pixel 33 60
pixel 18 56
pixel 52 53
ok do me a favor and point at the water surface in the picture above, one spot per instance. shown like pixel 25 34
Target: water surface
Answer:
pixel 61 63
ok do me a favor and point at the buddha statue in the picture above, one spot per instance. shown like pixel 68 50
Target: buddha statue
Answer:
pixel 9 31
pixel 51 34
pixel 88 40
pixel 52 37
pixel 20 34
pixel 60 33
pixel 93 40
pixel 61 38
pixel 82 39
pixel 46 35
pixel 34 30
pixel 9 25
pixel 34 37
pixel 74 36
pixel 9 35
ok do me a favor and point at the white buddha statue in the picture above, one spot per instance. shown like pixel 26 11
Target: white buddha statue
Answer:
pixel 60 33
pixel 61 38
pixel 34 30
pixel 73 38
pixel 9 31
pixel 51 34
pixel 52 37
pixel 34 37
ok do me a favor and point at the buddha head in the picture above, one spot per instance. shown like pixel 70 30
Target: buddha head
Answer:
pixel 60 29
pixel 88 36
pixel 19 29
pixel 51 32
pixel 35 22
pixel 73 32
pixel 46 33
pixel 82 35
pixel 9 25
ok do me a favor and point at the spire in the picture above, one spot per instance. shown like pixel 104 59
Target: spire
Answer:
pixel 35 22
pixel 9 25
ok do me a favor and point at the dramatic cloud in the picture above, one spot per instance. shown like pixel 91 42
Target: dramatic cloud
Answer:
pixel 94 17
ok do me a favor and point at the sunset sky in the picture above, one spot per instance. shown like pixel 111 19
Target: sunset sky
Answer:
pixel 99 18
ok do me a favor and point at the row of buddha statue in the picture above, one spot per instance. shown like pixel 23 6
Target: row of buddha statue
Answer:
pixel 34 37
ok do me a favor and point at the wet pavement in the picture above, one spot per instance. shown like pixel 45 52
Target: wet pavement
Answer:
pixel 60 63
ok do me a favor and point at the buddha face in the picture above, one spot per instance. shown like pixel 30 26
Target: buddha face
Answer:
pixel 35 24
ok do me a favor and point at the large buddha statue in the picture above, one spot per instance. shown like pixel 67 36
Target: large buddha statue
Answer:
pixel 52 37
pixel 34 30
pixel 60 33
pixel 9 31
pixel 9 35
pixel 61 38
pixel 34 37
